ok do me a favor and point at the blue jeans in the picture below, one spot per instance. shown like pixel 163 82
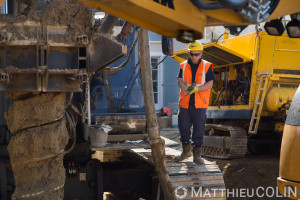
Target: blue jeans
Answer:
pixel 188 118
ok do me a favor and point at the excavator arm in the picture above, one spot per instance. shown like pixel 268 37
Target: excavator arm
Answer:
pixel 186 19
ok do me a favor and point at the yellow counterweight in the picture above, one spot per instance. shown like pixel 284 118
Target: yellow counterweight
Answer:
pixel 278 96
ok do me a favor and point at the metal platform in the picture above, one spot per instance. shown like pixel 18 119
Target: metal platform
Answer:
pixel 189 180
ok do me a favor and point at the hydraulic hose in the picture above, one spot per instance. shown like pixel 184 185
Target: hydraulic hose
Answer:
pixel 207 6
pixel 233 3
pixel 223 4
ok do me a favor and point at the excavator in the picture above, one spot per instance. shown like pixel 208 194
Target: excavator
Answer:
pixel 49 49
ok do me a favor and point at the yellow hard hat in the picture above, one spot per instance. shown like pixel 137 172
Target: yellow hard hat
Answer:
pixel 195 46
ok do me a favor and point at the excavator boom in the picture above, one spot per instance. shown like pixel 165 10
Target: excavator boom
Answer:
pixel 186 20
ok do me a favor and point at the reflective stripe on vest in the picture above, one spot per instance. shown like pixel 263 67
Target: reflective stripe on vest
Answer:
pixel 203 73
pixel 184 65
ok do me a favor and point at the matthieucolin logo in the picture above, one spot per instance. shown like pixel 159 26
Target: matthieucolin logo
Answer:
pixel 181 192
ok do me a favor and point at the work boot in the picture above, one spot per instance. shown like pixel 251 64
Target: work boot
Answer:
pixel 186 152
pixel 197 156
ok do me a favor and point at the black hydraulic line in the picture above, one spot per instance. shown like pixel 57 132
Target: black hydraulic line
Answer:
pixel 219 38
pixel 236 90
pixel 226 86
pixel 207 6
pixel 159 62
pixel 233 3
pixel 114 69
pixel 121 37
pixel 127 88
pixel 222 90
pixel 122 102
pixel 126 98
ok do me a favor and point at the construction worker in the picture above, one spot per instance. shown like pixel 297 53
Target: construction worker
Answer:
pixel 195 79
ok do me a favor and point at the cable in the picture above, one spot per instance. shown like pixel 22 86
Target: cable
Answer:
pixel 126 98
pixel 71 121
pixel 211 32
pixel 70 99
pixel 122 102
pixel 114 69
pixel 234 3
pixel 219 37
pixel 222 90
pixel 175 136
pixel 159 62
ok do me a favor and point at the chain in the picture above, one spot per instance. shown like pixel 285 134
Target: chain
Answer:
pixel 86 96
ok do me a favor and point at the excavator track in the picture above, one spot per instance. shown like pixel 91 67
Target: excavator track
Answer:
pixel 189 180
pixel 224 142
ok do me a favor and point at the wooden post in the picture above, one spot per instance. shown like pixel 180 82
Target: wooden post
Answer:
pixel 157 144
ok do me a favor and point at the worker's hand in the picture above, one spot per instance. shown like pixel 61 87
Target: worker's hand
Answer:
pixel 195 89
pixel 183 89
pixel 189 88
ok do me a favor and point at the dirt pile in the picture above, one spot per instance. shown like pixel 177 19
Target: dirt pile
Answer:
pixel 75 16
pixel 37 147
pixel 31 112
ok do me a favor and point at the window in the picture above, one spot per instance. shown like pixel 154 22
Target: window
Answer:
pixel 154 62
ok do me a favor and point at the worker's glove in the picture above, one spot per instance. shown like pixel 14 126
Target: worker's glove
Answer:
pixel 189 88
pixel 195 89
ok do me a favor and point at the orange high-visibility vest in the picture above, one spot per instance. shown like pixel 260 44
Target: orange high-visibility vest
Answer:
pixel 201 97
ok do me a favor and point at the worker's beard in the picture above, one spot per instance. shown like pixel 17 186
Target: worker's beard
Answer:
pixel 195 60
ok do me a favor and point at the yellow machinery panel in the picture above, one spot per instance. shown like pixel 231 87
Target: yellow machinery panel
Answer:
pixel 286 54
pixel 276 52
pixel 239 43
pixel 264 56
pixel 285 61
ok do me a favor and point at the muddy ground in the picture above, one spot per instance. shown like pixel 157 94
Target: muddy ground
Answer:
pixel 254 172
